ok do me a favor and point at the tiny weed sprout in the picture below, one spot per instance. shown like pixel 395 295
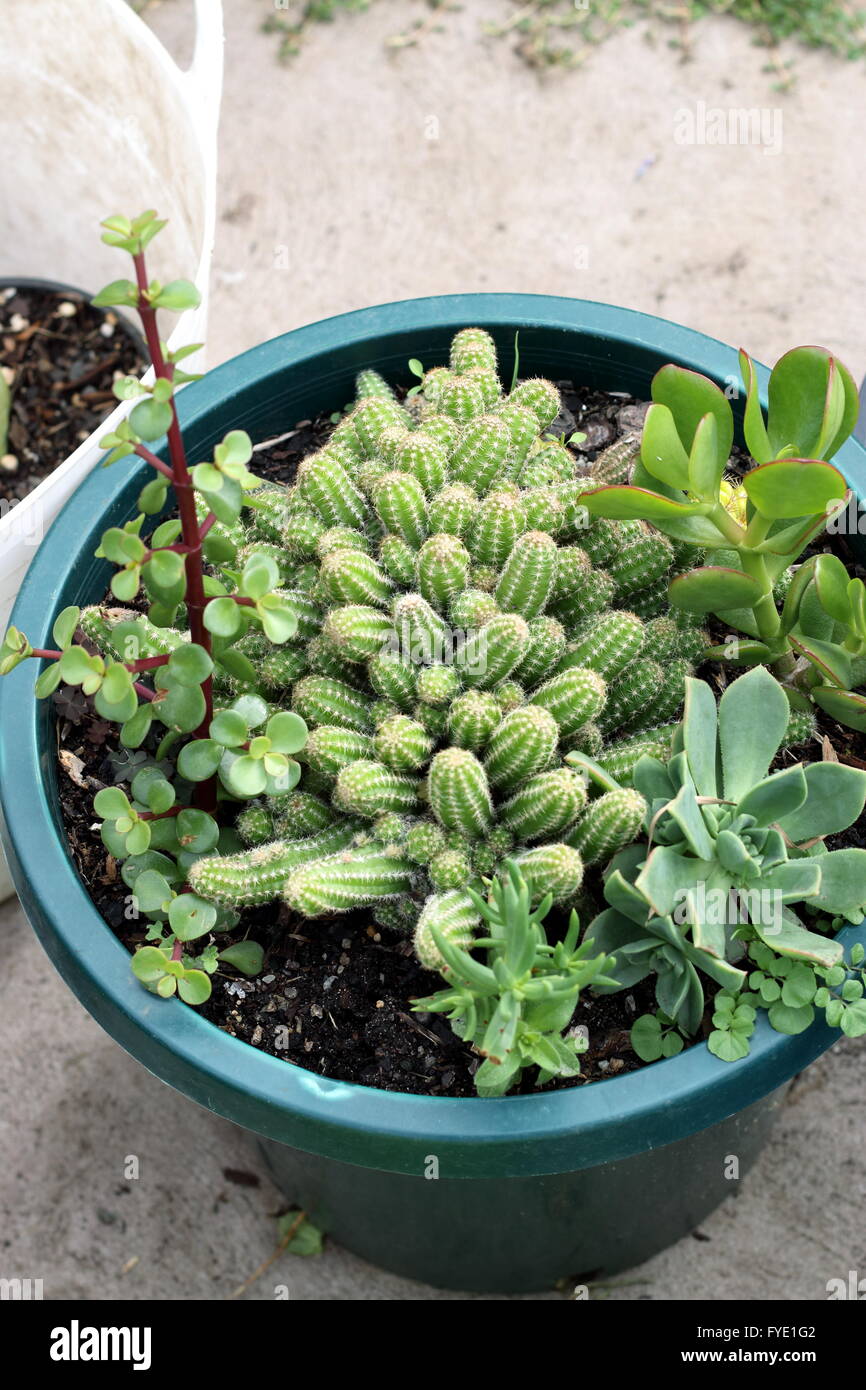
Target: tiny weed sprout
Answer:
pixel 173 678
pixel 516 1008
pixel 807 621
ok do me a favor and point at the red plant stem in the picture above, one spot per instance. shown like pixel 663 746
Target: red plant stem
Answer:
pixel 206 525
pixel 149 457
pixel 159 815
pixel 143 691
pixel 46 653
pixel 147 663
pixel 177 950
pixel 205 794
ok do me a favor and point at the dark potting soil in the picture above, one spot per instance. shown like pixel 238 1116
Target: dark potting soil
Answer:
pixel 59 356
pixel 335 995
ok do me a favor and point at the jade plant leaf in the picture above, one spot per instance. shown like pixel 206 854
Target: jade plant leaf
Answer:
pixel 712 589
pixel 794 487
pixel 690 396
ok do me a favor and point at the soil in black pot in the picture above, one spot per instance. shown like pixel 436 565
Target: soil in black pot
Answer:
pixel 59 357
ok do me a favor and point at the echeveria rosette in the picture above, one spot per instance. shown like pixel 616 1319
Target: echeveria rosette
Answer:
pixel 753 536
pixel 730 849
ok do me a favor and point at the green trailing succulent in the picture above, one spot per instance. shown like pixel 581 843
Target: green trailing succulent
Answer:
pixel 178 692
pixel 808 623
pixel 730 849
pixel 516 1006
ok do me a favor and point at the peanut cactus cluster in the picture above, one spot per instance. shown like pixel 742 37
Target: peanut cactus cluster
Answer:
pixel 462 625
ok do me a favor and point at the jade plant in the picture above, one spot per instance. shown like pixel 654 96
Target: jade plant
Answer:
pixel 730 849
pixel 168 678
pixel 516 1007
pixel 807 623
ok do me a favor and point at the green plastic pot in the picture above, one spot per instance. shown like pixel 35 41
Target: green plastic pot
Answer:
pixel 502 1195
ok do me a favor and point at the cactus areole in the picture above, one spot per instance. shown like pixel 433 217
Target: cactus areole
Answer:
pixel 473 769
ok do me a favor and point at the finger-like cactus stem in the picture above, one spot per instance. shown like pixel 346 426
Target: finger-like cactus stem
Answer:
pixel 442 569
pixel 350 576
pixel 615 464
pixel 501 520
pixel 399 500
pixel 472 347
pixel 539 396
pixel 257 875
pixel 402 744
pixel 622 756
pixel 455 917
pixel 398 558
pixel 460 398
pixel 368 788
pixel 444 430
pixel 453 510
pixel 556 869
pixel 635 690
pixel 320 700
pixel 437 685
pixel 573 697
pixel 327 487
pixel 255 825
pixel 606 644
pixel 459 792
pixel 372 416
pixel 357 631
pixel 473 608
pixel 346 881
pixel 490 654
pixel 330 748
pixel 472 718
pixel 608 825
pixel 524 744
pixel 528 577
pixel 523 428
pixel 544 805
pixel 425 458
pixel 642 563
pixel 424 841
pixel 393 678
pixel 481 452
pixel 452 868
pixel 298 814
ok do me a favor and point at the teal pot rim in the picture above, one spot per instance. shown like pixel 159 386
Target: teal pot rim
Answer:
pixel 553 1132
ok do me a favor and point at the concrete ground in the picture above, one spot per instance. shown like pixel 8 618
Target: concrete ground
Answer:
pixel 352 178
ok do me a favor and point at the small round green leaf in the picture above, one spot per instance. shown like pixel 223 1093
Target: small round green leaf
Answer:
pixel 194 987
pixel 222 617
pixel 190 916
pixel 287 732
pixel 190 664
pixel 199 760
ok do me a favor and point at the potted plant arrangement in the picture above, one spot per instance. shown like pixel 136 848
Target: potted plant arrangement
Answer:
pixel 425 771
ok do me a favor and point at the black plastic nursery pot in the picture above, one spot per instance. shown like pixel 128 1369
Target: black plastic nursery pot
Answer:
pixel 506 1195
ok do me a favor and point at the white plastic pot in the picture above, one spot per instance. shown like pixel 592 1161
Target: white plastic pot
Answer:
pixel 97 118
